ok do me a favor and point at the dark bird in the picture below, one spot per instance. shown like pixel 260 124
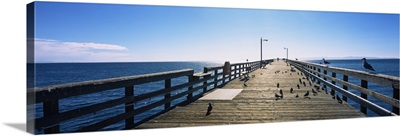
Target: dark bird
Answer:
pixel 277 85
pixel 281 92
pixel 209 109
pixel 277 96
pixel 300 80
pixel 298 86
pixel 307 93
pixel 291 90
pixel 324 61
pixel 314 92
pixel 338 99
pixel 297 95
pixel 296 59
pixel 366 65
pixel 304 83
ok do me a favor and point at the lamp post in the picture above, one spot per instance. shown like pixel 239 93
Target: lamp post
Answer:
pixel 287 54
pixel 261 40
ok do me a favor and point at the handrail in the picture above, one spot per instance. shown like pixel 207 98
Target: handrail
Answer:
pixel 313 70
pixel 51 95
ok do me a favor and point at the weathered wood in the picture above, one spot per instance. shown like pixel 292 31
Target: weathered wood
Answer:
pixel 377 109
pixel 385 80
pixel 73 89
pixel 395 108
pixel 345 79
pixel 129 92
pixel 374 94
pixel 256 104
pixel 167 95
pixel 49 109
pixel 364 84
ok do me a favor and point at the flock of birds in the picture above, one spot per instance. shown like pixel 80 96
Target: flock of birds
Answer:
pixel 365 64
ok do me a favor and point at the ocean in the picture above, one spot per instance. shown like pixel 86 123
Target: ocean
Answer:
pixel 61 73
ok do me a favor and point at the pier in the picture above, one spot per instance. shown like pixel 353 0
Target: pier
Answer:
pixel 234 101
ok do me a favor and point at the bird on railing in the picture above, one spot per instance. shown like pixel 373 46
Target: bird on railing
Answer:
pixel 366 65
pixel 338 99
pixel 209 109
pixel 324 61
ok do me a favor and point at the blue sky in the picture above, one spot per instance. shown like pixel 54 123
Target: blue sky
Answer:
pixel 71 32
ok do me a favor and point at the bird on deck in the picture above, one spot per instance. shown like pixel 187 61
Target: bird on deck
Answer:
pixel 277 96
pixel 291 90
pixel 338 99
pixel 366 65
pixel 209 109
pixel 277 85
pixel 281 92
pixel 314 92
pixel 324 61
pixel 304 83
pixel 298 86
pixel 297 95
pixel 307 93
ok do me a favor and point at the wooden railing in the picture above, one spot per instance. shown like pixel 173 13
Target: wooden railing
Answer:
pixel 314 72
pixel 50 96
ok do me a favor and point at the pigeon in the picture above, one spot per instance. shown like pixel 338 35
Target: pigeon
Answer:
pixel 209 109
pixel 338 99
pixel 277 96
pixel 297 95
pixel 298 86
pixel 307 93
pixel 291 90
pixel 277 85
pixel 366 65
pixel 314 92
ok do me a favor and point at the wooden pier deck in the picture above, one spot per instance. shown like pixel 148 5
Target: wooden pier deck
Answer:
pixel 256 103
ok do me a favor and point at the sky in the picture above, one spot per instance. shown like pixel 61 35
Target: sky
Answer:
pixel 76 32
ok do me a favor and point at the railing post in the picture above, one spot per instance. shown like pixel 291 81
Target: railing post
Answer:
pixel 364 84
pixel 346 79
pixel 395 96
pixel 235 71
pixel 325 73
pixel 167 95
pixel 49 109
pixel 129 92
pixel 205 82
pixel 333 82
pixel 190 95
pixel 216 78
pixel 319 70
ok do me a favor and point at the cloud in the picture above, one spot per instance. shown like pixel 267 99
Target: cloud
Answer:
pixel 49 50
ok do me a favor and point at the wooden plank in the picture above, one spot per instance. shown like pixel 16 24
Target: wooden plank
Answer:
pixel 73 89
pixel 49 109
pixel 129 92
